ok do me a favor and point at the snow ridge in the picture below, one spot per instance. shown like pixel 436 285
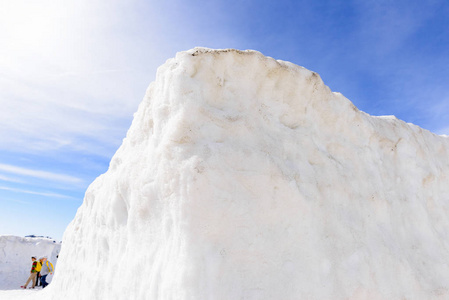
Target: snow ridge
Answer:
pixel 15 258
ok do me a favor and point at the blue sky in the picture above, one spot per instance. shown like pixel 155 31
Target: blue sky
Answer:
pixel 72 74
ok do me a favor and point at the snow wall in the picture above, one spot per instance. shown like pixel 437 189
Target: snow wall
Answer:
pixel 15 258
pixel 245 177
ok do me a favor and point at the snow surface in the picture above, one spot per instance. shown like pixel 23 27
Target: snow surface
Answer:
pixel 245 177
pixel 15 258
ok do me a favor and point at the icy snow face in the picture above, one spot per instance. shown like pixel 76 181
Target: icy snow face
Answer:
pixel 243 177
pixel 15 258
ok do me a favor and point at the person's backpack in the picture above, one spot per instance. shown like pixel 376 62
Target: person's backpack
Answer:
pixel 50 267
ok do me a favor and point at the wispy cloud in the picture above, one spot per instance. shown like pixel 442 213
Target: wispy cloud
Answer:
pixel 16 200
pixel 10 179
pixel 39 174
pixel 46 194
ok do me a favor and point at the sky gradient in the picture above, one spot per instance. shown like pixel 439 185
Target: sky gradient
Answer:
pixel 73 73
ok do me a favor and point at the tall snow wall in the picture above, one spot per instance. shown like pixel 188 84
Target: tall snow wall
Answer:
pixel 245 177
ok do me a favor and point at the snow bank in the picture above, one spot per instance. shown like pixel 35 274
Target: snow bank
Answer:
pixel 244 177
pixel 15 258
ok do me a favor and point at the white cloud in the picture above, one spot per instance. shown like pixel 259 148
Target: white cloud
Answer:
pixel 46 194
pixel 39 174
pixel 63 80
pixel 10 179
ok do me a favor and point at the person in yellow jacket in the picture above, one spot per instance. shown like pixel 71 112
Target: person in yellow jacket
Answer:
pixel 47 268
pixel 38 270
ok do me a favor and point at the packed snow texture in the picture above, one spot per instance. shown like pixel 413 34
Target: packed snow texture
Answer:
pixel 245 177
pixel 15 258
